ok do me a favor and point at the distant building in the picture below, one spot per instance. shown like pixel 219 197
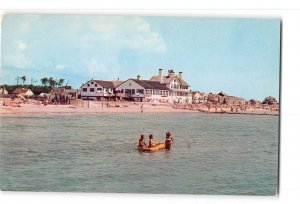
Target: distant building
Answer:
pixel 137 89
pixel 199 97
pixel 212 98
pixel 180 88
pixel 232 100
pixel 3 91
pixel 23 92
pixel 98 89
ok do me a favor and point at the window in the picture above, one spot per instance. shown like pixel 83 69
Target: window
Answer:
pixel 92 82
pixel 84 89
pixel 99 89
pixel 132 91
pixel 92 89
pixel 129 84
pixel 140 91
pixel 122 90
pixel 88 85
pixel 96 85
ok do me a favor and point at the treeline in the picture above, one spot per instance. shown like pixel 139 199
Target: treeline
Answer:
pixel 47 84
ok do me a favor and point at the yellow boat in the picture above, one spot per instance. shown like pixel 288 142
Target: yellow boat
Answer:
pixel 157 147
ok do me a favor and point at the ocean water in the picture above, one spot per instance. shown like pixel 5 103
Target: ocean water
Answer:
pixel 212 154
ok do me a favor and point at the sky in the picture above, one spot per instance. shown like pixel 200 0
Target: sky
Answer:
pixel 238 56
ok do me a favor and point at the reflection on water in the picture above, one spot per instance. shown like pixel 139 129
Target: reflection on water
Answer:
pixel 212 154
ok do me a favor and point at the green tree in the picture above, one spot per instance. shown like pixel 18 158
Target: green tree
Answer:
pixel 60 82
pixel 44 81
pixel 52 82
pixel 23 78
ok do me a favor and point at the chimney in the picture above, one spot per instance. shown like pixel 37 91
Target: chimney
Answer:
pixel 170 72
pixel 180 75
pixel 138 77
pixel 160 74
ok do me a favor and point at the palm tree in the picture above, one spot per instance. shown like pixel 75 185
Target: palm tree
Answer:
pixel 60 82
pixel 23 78
pixel 44 81
pixel 52 82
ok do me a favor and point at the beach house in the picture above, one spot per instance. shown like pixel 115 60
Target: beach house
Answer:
pixel 199 97
pixel 23 92
pixel 3 91
pixel 180 89
pixel 98 89
pixel 144 90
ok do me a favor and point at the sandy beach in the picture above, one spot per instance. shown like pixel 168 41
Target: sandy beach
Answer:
pixel 33 107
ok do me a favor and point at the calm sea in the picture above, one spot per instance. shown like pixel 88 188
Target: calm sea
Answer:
pixel 212 154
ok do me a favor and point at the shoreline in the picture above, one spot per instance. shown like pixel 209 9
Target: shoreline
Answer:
pixel 32 108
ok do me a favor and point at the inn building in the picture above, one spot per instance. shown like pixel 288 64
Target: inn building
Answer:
pixel 169 88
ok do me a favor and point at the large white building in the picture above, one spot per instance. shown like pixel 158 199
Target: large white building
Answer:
pixel 169 88
pixel 143 90
pixel 180 88
pixel 98 89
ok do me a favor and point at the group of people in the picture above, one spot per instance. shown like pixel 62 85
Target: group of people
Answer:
pixel 168 142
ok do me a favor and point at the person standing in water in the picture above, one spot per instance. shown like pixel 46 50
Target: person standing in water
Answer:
pixel 142 110
pixel 169 140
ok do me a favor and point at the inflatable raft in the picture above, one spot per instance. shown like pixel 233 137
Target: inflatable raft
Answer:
pixel 153 149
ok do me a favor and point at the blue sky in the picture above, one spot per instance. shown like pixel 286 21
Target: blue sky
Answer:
pixel 237 56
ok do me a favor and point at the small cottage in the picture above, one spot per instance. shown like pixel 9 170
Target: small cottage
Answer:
pixel 23 92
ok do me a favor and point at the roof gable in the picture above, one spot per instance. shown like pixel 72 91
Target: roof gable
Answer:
pixel 169 79
pixel 20 90
pixel 148 84
pixel 104 84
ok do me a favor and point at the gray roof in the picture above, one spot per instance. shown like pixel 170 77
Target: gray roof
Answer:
pixel 105 84
pixel 169 79
pixel 148 84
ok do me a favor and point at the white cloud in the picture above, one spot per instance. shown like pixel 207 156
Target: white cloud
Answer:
pixel 60 67
pixel 126 33
pixel 94 68
pixel 88 45
pixel 15 55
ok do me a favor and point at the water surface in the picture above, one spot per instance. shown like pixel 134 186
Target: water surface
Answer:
pixel 212 154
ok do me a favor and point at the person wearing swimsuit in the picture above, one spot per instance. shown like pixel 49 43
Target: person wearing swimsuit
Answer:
pixel 151 141
pixel 142 142
pixel 169 140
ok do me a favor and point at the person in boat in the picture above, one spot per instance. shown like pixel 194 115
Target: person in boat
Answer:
pixel 151 141
pixel 142 142
pixel 169 140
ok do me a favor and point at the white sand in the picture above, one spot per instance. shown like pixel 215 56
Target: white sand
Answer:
pixel 97 107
